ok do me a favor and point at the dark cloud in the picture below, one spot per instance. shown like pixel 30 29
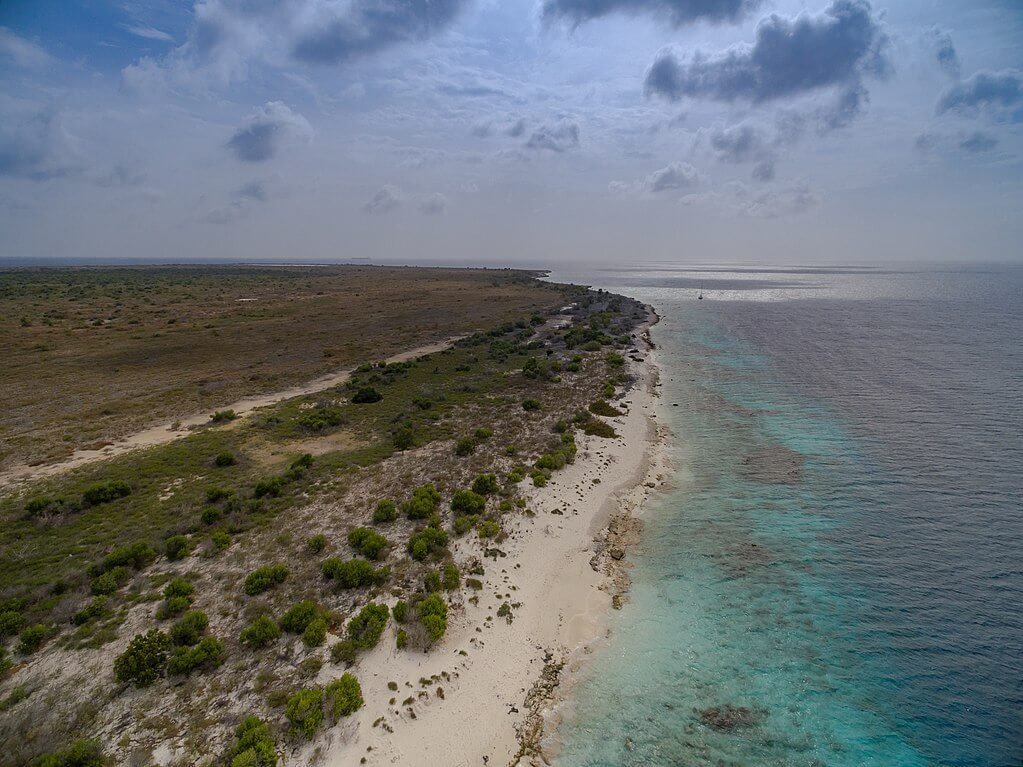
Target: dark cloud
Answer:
pixel 944 50
pixel 559 138
pixel 764 171
pixel 677 12
pixel 434 205
pixel 985 90
pixel 266 130
pixel 385 200
pixel 978 142
pixel 790 57
pixel 481 130
pixel 348 30
pixel 517 129
pixel 36 147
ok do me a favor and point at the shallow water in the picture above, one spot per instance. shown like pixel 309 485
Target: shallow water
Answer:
pixel 837 577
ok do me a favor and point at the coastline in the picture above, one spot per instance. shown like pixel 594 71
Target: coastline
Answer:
pixel 495 690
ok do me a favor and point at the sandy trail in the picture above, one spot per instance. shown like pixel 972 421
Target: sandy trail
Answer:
pixel 171 430
pixel 487 666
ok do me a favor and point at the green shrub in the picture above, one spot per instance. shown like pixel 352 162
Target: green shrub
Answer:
pixel 474 583
pixel 144 660
pixel 385 511
pixel 465 446
pixel 597 428
pixel 136 556
pixel 206 655
pixel 401 639
pixel 297 469
pixel 485 484
pixel 462 525
pixel 317 544
pixel 315 633
pixel 365 628
pixel 297 619
pixel 538 477
pixel 218 494
pixel 265 578
pixel 531 405
pixel 188 629
pixel 223 416
pixel 254 746
pixel 223 459
pixel 468 502
pixel 210 515
pixel 423 503
pixel 433 614
pixel 10 622
pixel 178 587
pixel 367 542
pixel 321 417
pixel 614 359
pixel 177 547
pixel 272 486
pixel 220 540
pixel 97 608
pixel 345 652
pixel 305 712
pixel 488 528
pixel 344 696
pixel 400 611
pixel 366 395
pixel 425 542
pixel 104 492
pixel 515 476
pixel 451 578
pixel 602 407
pixel 404 438
pixel 31 638
pixel 607 390
pixel 431 582
pixel 482 434
pixel 172 606
pixel 81 753
pixel 355 573
pixel 261 633
pixel 110 581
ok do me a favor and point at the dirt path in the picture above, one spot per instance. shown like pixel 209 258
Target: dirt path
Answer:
pixel 180 427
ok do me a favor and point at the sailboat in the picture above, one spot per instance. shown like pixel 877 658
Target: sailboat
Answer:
pixel 699 296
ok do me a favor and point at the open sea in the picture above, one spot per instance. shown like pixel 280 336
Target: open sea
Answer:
pixel 836 575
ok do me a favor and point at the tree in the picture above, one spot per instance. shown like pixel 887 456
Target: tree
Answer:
pixel 144 660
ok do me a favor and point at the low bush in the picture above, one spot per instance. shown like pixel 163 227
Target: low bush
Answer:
pixel 110 581
pixel 431 582
pixel 469 501
pixel 485 484
pixel 538 477
pixel 401 639
pixel 403 438
pixel 343 696
pixel 450 576
pixel 354 573
pixel 136 556
pixel 96 609
pixel 81 753
pixel 223 459
pixel 488 528
pixel 367 542
pixel 317 544
pixel 206 655
pixel 345 652
pixel 531 405
pixel 483 434
pixel 104 492
pixel 254 745
pixel 218 494
pixel 366 395
pixel 462 525
pixel 271 486
pixel 304 712
pixel 10 622
pixel 144 660
pixel 433 615
pixel 315 633
pixel 465 446
pixel 321 417
pixel 223 416
pixel 265 578
pixel 220 540
pixel 597 428
pixel 189 628
pixel 385 511
pixel 366 627
pixel 211 515
pixel 602 407
pixel 400 611
pixel 427 541
pixel 31 638
pixel 261 633
pixel 614 359
pixel 297 619
pixel 177 547
pixel 423 503
pixel 474 583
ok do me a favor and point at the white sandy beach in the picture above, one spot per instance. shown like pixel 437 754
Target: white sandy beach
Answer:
pixel 485 666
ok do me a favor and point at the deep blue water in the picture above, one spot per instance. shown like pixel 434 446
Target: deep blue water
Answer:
pixel 867 610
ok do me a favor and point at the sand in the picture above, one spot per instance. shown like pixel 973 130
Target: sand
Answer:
pixel 169 431
pixel 485 665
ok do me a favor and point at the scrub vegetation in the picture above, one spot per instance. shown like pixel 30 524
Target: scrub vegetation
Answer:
pixel 191 575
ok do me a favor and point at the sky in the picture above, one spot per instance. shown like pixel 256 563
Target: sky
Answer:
pixel 539 132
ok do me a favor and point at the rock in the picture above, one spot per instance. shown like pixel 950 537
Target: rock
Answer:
pixel 616 601
pixel 617 553
pixel 728 717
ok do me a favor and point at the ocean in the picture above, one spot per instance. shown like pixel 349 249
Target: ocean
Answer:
pixel 835 576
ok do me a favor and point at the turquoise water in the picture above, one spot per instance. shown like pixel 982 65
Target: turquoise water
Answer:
pixel 868 610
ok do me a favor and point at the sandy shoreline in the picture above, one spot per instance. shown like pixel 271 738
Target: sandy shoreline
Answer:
pixel 181 427
pixel 489 692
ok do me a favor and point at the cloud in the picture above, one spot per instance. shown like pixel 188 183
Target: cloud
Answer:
pixel 764 170
pixel 835 49
pixel 242 200
pixel 149 33
pixel 978 142
pixel 257 191
pixel 985 91
pixel 944 50
pixel 481 129
pixel 737 144
pixel 674 176
pixel 779 203
pixel 676 12
pixel 266 130
pixel 434 205
pixel 35 146
pixel 342 31
pixel 386 199
pixel 517 129
pixel 558 138
pixel 21 52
